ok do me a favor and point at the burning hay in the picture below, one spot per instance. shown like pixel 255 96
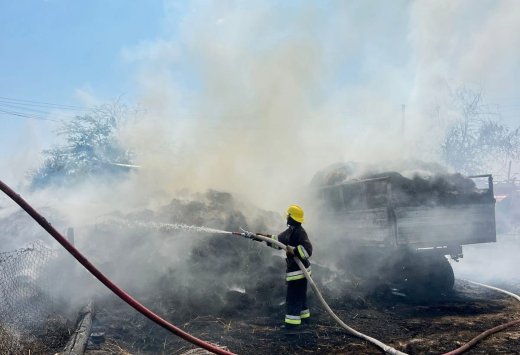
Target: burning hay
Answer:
pixel 423 188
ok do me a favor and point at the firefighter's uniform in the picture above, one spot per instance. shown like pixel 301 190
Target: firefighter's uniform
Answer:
pixel 296 237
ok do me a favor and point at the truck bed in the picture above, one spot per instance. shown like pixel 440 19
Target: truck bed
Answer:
pixel 445 220
pixel 427 227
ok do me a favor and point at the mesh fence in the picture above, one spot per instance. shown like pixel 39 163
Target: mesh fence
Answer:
pixel 24 286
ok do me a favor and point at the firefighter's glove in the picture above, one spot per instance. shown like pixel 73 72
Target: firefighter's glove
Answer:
pixel 290 251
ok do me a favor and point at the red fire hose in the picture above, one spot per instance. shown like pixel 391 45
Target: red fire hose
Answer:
pixel 481 336
pixel 112 286
pixel 488 332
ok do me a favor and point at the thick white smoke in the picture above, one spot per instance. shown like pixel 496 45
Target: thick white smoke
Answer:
pixel 255 97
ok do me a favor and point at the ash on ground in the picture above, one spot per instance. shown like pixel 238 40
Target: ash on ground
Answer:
pixel 230 291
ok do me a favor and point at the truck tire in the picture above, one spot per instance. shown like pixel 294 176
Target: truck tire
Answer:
pixel 442 277
pixel 426 275
pixel 419 275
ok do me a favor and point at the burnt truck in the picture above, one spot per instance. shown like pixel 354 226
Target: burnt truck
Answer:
pixel 399 231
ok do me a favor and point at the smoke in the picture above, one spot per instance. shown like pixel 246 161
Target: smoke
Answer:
pixel 254 98
pixel 263 94
pixel 463 43
pixel 491 263
pixel 493 55
pixel 263 110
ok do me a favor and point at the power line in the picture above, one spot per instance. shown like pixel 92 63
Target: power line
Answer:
pixel 37 110
pixel 20 114
pixel 18 107
pixel 43 104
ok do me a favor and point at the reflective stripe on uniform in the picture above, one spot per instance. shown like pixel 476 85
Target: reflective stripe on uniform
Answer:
pixel 296 275
pixel 305 314
pixel 293 319
pixel 294 278
pixel 303 253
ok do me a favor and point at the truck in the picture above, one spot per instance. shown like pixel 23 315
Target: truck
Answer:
pixel 399 231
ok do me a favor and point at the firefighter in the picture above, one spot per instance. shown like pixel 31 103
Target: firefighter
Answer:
pixel 298 246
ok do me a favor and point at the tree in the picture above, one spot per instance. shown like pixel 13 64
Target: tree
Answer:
pixel 92 149
pixel 477 142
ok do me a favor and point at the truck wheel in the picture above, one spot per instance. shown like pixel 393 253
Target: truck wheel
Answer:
pixel 427 276
pixel 441 276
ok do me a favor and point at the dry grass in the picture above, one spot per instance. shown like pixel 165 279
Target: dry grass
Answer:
pixel 14 343
pixel 48 339
pixel 109 347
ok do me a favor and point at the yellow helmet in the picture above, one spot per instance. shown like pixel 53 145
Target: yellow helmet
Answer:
pixel 296 213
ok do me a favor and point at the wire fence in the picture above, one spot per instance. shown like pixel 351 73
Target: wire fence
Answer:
pixel 24 286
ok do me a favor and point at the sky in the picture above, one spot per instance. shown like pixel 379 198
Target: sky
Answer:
pixel 249 97
pixel 333 74
pixel 67 53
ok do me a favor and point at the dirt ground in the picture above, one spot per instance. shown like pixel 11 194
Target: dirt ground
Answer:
pixel 49 339
pixel 431 326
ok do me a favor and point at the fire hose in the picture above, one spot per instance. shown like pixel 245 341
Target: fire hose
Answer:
pixel 201 343
pixel 386 348
pixel 154 317
pixel 106 281
pixel 488 332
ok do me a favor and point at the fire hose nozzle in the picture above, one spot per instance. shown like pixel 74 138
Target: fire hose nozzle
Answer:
pixel 247 234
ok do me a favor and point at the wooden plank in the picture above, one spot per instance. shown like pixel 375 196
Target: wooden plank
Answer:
pixel 79 339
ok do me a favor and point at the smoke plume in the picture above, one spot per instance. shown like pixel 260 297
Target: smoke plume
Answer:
pixel 254 98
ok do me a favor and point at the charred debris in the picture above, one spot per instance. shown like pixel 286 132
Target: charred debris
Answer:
pixel 211 279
